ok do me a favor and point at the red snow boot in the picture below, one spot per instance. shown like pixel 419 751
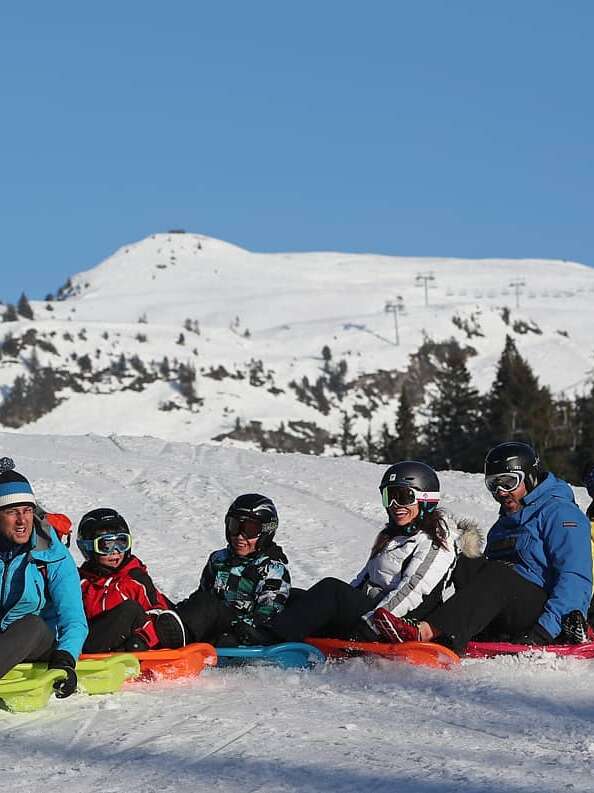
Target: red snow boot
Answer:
pixel 395 629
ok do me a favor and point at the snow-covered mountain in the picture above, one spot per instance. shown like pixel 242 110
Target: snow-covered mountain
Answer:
pixel 252 326
pixel 489 726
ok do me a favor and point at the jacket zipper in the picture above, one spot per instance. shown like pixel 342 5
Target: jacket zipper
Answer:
pixel 4 576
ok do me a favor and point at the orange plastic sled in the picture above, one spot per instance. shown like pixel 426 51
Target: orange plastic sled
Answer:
pixel 188 661
pixel 418 653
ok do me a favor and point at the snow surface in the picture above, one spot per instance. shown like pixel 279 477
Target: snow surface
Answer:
pixel 492 725
pixel 292 304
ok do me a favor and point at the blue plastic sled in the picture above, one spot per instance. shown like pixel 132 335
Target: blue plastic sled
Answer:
pixel 290 655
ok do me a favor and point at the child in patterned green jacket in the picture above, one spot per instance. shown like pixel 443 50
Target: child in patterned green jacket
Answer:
pixel 242 585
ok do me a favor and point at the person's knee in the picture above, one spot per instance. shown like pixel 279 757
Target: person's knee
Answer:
pixel 328 583
pixel 132 609
pixel 36 628
pixel 37 637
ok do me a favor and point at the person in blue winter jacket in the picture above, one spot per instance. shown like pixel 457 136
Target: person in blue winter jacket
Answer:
pixel 534 583
pixel 41 612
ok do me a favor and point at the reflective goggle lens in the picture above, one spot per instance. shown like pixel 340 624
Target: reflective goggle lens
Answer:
pixel 504 482
pixel 105 544
pixel 401 495
pixel 249 527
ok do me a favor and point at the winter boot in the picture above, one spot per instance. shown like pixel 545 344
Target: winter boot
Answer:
pixel 170 630
pixel 395 629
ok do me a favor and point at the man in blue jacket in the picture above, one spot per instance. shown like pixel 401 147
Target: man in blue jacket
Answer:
pixel 534 583
pixel 41 612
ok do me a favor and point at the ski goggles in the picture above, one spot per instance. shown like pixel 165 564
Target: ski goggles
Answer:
pixel 399 495
pixel 405 496
pixel 249 527
pixel 106 544
pixel 504 482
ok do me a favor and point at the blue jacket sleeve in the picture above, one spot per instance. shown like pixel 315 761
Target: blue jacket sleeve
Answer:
pixel 63 583
pixel 568 548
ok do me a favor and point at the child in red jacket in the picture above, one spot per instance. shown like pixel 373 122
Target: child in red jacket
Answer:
pixel 125 610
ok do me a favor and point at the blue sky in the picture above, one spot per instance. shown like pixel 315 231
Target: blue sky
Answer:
pixel 460 128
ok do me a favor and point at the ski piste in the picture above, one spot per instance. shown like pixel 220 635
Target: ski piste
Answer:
pixel 28 687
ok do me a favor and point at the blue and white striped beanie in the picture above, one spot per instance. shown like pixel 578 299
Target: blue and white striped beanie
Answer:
pixel 15 490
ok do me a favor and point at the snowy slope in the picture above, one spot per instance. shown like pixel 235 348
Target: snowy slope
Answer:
pixel 281 309
pixel 493 726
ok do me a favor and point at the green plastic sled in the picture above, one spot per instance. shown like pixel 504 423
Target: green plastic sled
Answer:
pixel 25 688
pixel 106 675
pixel 28 687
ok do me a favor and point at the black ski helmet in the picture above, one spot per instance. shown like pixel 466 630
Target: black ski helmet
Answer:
pixel 259 508
pixel 418 476
pixel 103 520
pixel 513 457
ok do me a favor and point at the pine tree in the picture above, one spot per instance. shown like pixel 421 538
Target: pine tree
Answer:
pixel 584 451
pixel 12 406
pixel 29 399
pixel 347 436
pixel 118 368
pixel 10 315
pixel 24 307
pixel 451 433
pixel 164 369
pixel 10 346
pixel 336 379
pixel 518 408
pixel 387 446
pixel 186 377
pixel 369 450
pixel 406 440
pixel 85 363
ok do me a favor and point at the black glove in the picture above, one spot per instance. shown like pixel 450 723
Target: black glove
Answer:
pixel 60 659
pixel 536 635
pixel 246 634
pixel 574 628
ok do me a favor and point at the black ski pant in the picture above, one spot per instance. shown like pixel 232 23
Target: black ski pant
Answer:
pixel 330 608
pixel 205 616
pixel 333 608
pixel 27 639
pixel 111 630
pixel 491 596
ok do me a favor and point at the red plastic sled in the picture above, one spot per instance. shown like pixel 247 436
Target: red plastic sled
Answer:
pixel 418 653
pixel 188 661
pixel 491 649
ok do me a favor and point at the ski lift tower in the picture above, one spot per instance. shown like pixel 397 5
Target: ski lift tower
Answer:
pixel 393 307
pixel 517 285
pixel 423 279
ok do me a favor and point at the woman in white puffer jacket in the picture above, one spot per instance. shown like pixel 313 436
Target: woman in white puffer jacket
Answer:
pixel 408 572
